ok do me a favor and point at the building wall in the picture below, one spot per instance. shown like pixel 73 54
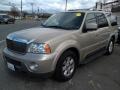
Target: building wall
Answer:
pixel 108 6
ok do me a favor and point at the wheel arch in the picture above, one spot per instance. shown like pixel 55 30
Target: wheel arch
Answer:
pixel 113 38
pixel 74 49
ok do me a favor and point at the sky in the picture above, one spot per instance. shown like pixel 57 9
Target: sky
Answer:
pixel 47 5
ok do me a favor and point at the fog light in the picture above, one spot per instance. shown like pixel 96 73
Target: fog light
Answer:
pixel 34 67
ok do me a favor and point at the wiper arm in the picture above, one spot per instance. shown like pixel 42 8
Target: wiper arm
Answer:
pixel 55 26
pixel 60 27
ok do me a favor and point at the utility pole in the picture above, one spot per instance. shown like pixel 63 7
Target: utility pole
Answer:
pixel 21 9
pixel 66 5
pixel 38 10
pixel 32 7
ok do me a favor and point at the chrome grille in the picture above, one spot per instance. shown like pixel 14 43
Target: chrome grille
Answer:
pixel 16 46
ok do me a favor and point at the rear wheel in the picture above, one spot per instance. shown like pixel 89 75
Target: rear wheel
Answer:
pixel 110 47
pixel 66 66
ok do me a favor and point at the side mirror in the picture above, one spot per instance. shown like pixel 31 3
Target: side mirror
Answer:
pixel 91 26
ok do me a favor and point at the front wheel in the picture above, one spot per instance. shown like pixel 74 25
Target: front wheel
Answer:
pixel 110 47
pixel 66 66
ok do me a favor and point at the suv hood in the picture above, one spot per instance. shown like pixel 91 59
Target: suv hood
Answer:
pixel 38 34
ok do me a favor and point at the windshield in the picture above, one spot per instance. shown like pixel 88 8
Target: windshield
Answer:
pixel 65 20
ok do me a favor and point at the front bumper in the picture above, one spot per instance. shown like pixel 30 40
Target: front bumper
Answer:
pixel 45 63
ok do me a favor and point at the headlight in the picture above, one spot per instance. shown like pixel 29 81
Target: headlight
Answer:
pixel 39 48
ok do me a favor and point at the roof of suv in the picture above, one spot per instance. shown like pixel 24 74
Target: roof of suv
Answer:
pixel 85 11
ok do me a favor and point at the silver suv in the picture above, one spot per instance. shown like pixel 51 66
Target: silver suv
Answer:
pixel 64 41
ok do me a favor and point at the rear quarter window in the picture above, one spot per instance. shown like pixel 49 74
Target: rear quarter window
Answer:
pixel 113 20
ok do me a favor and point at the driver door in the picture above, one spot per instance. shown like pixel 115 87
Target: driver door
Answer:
pixel 88 41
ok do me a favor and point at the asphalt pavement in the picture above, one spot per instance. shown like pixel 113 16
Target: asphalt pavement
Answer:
pixel 102 73
pixel 5 29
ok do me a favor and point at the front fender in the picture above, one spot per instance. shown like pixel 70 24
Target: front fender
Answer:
pixel 63 47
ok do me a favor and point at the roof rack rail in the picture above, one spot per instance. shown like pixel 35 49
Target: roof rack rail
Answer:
pixel 79 10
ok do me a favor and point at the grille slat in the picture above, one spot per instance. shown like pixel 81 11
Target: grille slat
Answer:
pixel 16 46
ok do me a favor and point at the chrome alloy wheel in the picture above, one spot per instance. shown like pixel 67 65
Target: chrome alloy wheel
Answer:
pixel 110 47
pixel 68 66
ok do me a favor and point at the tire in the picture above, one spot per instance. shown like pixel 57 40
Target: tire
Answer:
pixel 66 66
pixel 110 47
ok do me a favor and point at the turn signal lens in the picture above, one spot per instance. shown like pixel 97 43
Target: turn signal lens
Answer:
pixel 47 49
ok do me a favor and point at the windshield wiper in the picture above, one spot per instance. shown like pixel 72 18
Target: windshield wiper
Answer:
pixel 60 27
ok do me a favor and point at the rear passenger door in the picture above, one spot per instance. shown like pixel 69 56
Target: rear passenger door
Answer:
pixel 103 31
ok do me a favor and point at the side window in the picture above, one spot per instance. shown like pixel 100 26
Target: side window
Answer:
pixel 101 20
pixel 90 18
pixel 113 20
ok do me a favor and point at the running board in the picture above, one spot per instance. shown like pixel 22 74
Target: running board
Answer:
pixel 92 56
